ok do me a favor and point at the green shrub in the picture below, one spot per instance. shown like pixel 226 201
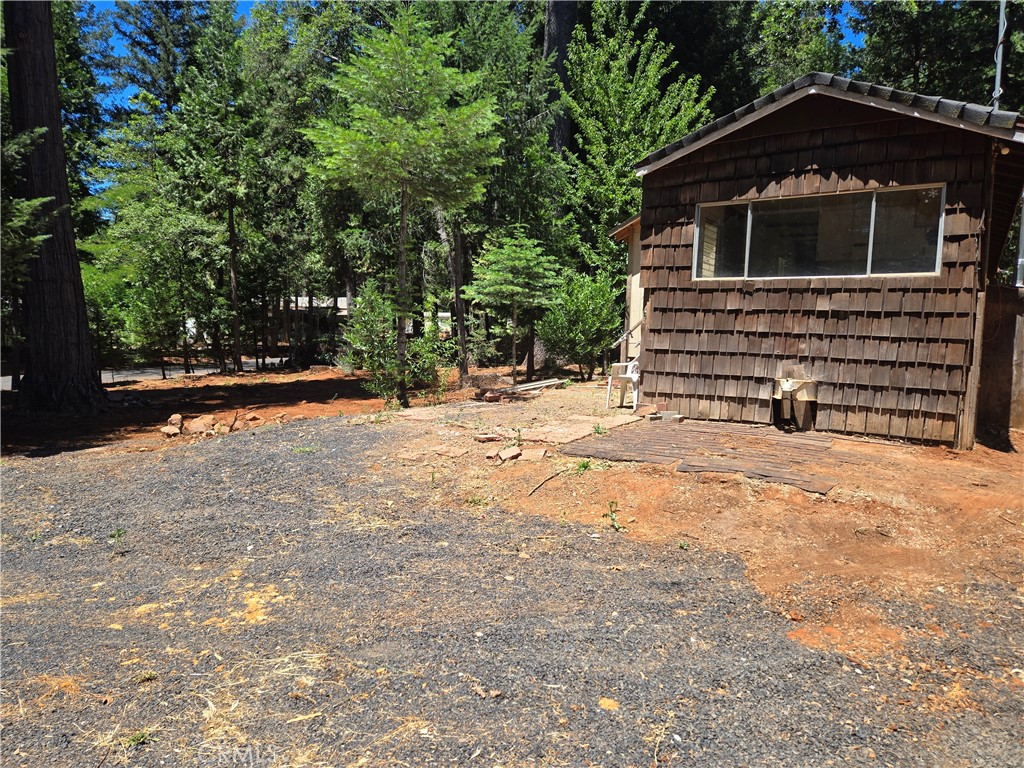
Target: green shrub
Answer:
pixel 372 338
pixel 583 321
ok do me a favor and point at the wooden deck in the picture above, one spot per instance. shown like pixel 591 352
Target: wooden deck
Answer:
pixel 806 460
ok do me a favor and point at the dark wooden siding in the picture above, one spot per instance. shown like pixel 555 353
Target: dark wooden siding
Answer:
pixel 890 355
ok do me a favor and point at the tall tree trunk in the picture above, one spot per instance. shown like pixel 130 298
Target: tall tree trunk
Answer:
pixel 186 352
pixel 559 22
pixel 236 322
pixel 515 333
pixel 531 341
pixel 61 373
pixel 453 249
pixel 16 343
pixel 458 283
pixel 285 322
pixel 264 327
pixel 403 292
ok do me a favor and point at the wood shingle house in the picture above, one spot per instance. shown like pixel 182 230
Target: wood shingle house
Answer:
pixel 847 227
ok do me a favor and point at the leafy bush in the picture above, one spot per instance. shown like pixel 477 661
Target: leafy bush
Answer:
pixel 583 321
pixel 515 278
pixel 483 348
pixel 372 337
pixel 427 354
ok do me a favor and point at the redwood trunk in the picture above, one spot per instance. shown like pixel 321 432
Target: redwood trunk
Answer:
pixel 559 22
pixel 61 373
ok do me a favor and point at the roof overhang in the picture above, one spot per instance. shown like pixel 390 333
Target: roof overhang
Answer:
pixel 757 110
pixel 622 231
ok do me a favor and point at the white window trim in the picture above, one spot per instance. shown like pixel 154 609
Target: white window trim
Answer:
pixel 871 235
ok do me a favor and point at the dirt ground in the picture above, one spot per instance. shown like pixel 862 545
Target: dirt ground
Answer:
pixel 907 528
pixel 903 522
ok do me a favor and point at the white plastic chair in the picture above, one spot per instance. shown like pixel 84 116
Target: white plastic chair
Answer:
pixel 624 374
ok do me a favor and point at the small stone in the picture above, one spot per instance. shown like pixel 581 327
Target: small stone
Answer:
pixel 653 417
pixel 451 453
pixel 493 453
pixel 510 454
pixel 533 454
pixel 170 431
pixel 175 420
pixel 281 415
pixel 677 418
pixel 222 429
pixel 487 438
pixel 492 397
pixel 298 417
pixel 253 417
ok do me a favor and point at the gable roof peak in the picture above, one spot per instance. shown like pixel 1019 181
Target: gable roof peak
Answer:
pixel 977 117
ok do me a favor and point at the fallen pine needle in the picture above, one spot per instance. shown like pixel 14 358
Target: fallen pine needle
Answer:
pixel 300 718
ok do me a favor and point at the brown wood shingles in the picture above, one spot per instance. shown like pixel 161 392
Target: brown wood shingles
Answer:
pixel 890 354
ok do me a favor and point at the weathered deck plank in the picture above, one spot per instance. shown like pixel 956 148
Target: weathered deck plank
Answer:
pixel 803 460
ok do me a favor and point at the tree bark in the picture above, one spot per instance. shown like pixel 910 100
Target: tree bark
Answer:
pixel 458 283
pixel 559 22
pixel 531 340
pixel 403 293
pixel 453 249
pixel 61 372
pixel 236 322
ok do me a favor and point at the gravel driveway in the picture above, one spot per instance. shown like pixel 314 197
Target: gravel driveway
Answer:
pixel 270 598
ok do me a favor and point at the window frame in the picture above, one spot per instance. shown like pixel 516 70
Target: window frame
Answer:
pixel 871 235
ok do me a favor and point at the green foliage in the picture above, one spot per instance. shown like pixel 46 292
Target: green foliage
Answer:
pixel 83 52
pixel 944 48
pixel 515 279
pixel 372 338
pixel 626 102
pixel 413 123
pixel 483 350
pixel 108 308
pixel 160 36
pixel 583 320
pixel 797 37
pixel 613 517
pixel 431 358
pixel 22 226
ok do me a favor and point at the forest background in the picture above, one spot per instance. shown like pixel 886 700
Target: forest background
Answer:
pixel 231 167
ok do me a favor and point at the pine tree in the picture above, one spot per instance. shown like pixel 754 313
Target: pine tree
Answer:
pixel 515 279
pixel 161 36
pixel 210 132
pixel 415 132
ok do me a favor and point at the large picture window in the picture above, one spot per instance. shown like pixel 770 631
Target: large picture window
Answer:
pixel 886 231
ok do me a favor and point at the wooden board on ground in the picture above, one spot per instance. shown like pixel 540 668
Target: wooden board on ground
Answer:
pixel 804 460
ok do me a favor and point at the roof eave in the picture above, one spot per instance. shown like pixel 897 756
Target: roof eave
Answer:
pixel 1015 134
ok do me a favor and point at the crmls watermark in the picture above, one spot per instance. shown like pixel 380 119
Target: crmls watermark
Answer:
pixel 247 757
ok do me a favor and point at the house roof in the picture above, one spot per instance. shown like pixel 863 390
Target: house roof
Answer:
pixel 621 231
pixel 960 114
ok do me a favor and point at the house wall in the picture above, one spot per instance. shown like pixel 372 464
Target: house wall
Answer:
pixel 1001 395
pixel 634 296
pixel 891 355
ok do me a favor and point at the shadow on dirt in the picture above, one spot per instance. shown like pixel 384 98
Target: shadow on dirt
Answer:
pixel 133 411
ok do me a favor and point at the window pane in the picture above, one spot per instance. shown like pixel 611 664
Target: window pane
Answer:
pixel 810 236
pixel 723 240
pixel 906 231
